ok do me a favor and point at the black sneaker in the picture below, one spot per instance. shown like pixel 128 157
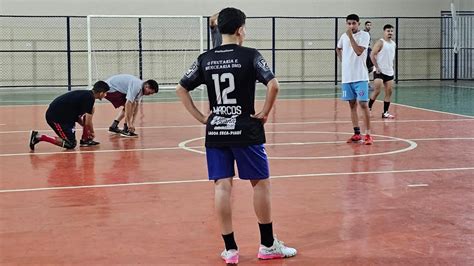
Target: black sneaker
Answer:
pixel 33 139
pixel 89 142
pixel 115 130
pixel 128 134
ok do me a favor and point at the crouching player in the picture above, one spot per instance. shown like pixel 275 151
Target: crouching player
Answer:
pixel 65 111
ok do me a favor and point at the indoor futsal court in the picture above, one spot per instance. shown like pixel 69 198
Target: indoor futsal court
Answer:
pixel 406 199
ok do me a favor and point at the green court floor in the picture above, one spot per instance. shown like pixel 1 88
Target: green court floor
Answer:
pixel 446 96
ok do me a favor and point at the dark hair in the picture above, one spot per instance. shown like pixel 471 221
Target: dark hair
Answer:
pixel 367 22
pixel 387 26
pixel 100 86
pixel 230 19
pixel 153 84
pixel 352 17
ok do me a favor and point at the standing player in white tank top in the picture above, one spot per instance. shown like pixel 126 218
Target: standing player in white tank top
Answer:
pixel 382 56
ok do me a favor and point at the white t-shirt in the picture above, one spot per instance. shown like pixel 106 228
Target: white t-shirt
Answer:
pixel 126 84
pixel 385 57
pixel 354 67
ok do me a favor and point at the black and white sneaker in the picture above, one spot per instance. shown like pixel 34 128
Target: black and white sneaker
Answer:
pixel 115 130
pixel 128 134
pixel 88 143
pixel 33 139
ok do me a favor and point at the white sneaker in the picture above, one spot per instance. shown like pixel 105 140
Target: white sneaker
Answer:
pixel 277 251
pixel 388 115
pixel 230 256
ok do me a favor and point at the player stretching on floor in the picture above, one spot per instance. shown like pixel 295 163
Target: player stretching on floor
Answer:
pixel 65 111
pixel 127 91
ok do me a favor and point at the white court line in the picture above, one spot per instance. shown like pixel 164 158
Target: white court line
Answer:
pixel 104 129
pixel 26 101
pixel 435 111
pixel 310 99
pixel 378 121
pixel 197 101
pixel 284 97
pixel 418 185
pixel 66 152
pixel 411 145
pixel 343 141
pixel 206 180
pixel 202 147
pixel 460 86
pixel 269 123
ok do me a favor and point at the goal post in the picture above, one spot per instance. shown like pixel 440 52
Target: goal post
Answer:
pixel 455 24
pixel 146 46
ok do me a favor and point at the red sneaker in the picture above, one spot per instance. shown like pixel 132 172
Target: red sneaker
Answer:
pixel 368 140
pixel 354 138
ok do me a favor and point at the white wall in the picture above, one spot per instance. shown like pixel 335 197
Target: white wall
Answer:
pixel 250 7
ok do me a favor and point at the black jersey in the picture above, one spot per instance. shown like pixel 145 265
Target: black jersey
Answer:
pixel 69 106
pixel 230 73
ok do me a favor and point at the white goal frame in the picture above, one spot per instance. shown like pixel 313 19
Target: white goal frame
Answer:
pixel 89 34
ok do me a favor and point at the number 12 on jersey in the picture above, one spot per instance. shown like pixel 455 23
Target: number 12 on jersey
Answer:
pixel 222 97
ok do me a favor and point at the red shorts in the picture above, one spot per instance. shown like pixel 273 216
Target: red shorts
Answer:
pixel 116 98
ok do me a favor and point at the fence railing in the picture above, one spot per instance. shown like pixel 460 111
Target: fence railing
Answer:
pixel 46 51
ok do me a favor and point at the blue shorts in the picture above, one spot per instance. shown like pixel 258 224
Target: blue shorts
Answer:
pixel 252 162
pixel 355 91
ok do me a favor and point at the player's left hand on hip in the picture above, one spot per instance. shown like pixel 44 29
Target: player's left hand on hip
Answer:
pixel 261 116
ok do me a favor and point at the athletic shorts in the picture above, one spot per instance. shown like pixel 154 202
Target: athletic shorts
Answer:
pixel 252 162
pixel 383 77
pixel 66 131
pixel 117 99
pixel 355 91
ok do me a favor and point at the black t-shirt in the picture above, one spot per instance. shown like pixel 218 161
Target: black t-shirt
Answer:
pixel 68 107
pixel 230 72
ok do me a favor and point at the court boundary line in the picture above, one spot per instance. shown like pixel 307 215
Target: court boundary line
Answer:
pixel 461 86
pixel 269 123
pixel 176 102
pixel 170 102
pixel 434 111
pixel 207 180
pixel 65 152
pixel 258 98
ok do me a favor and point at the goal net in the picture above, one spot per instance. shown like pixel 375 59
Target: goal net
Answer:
pixel 148 47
